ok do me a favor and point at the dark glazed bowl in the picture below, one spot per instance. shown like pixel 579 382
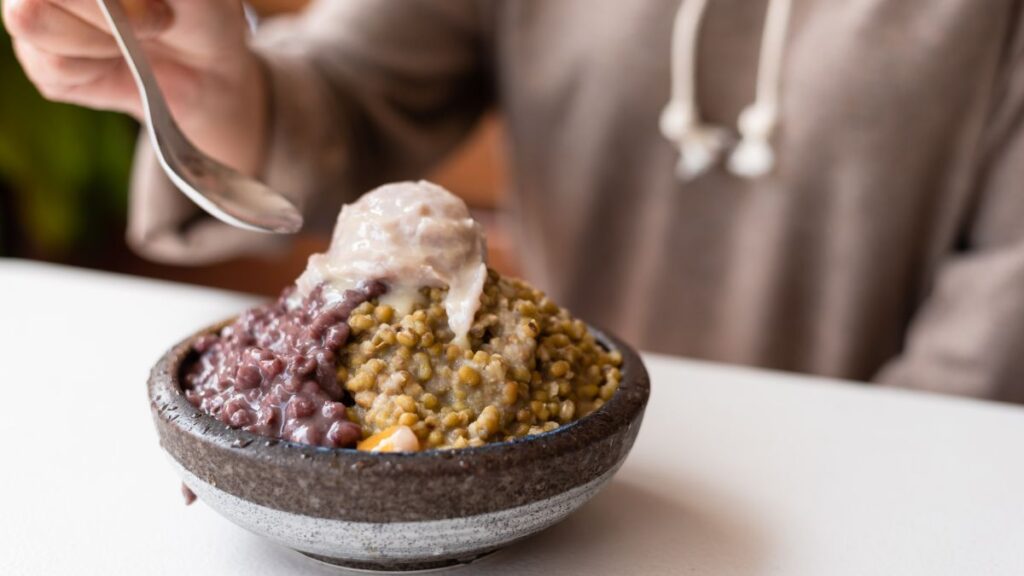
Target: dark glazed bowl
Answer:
pixel 395 512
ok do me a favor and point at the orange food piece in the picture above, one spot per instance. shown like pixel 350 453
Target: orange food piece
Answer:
pixel 391 439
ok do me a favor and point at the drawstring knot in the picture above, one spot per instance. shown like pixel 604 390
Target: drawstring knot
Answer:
pixel 754 156
pixel 701 145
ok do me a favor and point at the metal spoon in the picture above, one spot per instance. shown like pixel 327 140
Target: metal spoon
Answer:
pixel 224 193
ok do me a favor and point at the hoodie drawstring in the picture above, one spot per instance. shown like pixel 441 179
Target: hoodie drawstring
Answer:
pixel 701 145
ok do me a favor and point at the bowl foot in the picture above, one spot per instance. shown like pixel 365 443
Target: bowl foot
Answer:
pixel 409 567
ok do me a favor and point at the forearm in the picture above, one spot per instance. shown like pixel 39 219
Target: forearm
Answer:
pixel 968 336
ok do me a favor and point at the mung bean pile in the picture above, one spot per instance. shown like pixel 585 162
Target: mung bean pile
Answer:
pixel 529 368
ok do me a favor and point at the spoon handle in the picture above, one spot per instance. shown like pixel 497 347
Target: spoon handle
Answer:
pixel 153 103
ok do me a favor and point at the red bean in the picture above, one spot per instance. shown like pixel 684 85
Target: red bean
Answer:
pixel 299 407
pixel 248 376
pixel 343 433
pixel 241 418
pixel 333 411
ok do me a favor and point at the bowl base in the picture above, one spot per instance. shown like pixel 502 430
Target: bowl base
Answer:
pixel 411 567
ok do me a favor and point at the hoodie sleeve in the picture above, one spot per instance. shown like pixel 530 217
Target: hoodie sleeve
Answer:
pixel 361 92
pixel 968 336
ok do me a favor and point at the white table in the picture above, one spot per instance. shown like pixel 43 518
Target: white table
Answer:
pixel 736 471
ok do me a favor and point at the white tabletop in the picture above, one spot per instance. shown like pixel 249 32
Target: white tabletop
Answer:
pixel 736 471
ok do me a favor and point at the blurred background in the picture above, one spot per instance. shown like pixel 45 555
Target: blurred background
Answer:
pixel 64 188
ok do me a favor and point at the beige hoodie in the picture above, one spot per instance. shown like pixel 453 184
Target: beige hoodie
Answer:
pixel 886 245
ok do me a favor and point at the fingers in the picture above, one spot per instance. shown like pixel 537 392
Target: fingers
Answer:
pixel 104 83
pixel 56 72
pixel 58 26
pixel 55 30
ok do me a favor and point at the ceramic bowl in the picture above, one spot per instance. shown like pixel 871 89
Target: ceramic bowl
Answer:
pixel 395 512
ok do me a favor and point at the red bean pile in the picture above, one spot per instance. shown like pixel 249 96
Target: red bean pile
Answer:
pixel 273 371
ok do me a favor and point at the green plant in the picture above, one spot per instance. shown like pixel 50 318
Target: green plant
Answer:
pixel 63 171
